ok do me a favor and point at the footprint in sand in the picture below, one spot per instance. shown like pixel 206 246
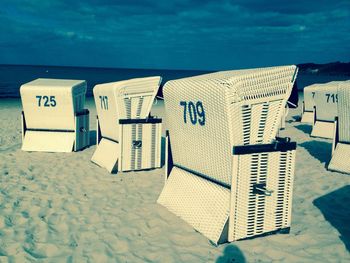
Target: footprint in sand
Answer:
pixel 22 173
pixel 42 251
pixel 9 221
pixel 25 214
pixel 16 203
pixel 31 168
pixel 7 249
pixel 30 177
pixel 73 241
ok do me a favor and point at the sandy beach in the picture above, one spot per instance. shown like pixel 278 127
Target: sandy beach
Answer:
pixel 60 207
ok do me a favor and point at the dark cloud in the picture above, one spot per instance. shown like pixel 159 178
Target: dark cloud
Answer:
pixel 194 34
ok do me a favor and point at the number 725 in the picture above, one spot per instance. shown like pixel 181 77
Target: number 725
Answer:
pixel 49 101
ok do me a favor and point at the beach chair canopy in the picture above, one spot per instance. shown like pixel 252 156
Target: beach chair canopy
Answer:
pixel 209 114
pixel 128 99
pixel 52 103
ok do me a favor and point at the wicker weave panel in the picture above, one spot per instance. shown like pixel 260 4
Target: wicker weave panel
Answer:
pixel 253 84
pixel 146 156
pixel 106 155
pixel 323 129
pixel 344 111
pixel 48 141
pixel 254 214
pixel 205 149
pixel 241 107
pixel 201 203
pixel 340 159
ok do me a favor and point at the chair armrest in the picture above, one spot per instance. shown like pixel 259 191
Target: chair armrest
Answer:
pixel 277 146
pixel 140 121
pixel 82 112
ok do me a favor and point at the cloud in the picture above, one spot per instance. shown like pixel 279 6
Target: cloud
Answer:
pixel 193 34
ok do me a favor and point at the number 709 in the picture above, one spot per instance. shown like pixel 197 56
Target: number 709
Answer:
pixel 196 112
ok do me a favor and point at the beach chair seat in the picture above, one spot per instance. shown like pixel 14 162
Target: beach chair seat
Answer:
pixel 325 110
pixel 207 117
pixel 341 139
pixel 127 138
pixel 53 116
pixel 307 115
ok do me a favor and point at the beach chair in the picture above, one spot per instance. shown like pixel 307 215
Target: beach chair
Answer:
pixel 325 110
pixel 53 116
pixel 226 175
pixel 307 115
pixel 127 137
pixel 341 139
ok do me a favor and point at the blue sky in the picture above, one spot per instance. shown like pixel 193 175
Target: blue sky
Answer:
pixel 179 34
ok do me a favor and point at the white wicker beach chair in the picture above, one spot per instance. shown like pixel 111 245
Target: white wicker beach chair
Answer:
pixel 208 117
pixel 127 138
pixel 53 116
pixel 307 115
pixel 341 139
pixel 325 110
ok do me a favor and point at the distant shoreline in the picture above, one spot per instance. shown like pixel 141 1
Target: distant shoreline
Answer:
pixel 13 76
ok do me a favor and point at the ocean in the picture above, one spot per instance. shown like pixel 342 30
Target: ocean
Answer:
pixel 13 76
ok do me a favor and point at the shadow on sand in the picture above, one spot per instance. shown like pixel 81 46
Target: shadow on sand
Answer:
pixel 322 151
pixel 296 118
pixel 336 210
pixel 304 128
pixel 232 254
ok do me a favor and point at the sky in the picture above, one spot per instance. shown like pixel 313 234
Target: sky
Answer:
pixel 179 34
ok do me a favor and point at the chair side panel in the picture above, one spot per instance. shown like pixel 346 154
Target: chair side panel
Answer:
pixel 344 111
pixel 106 108
pixel 257 213
pixel 309 94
